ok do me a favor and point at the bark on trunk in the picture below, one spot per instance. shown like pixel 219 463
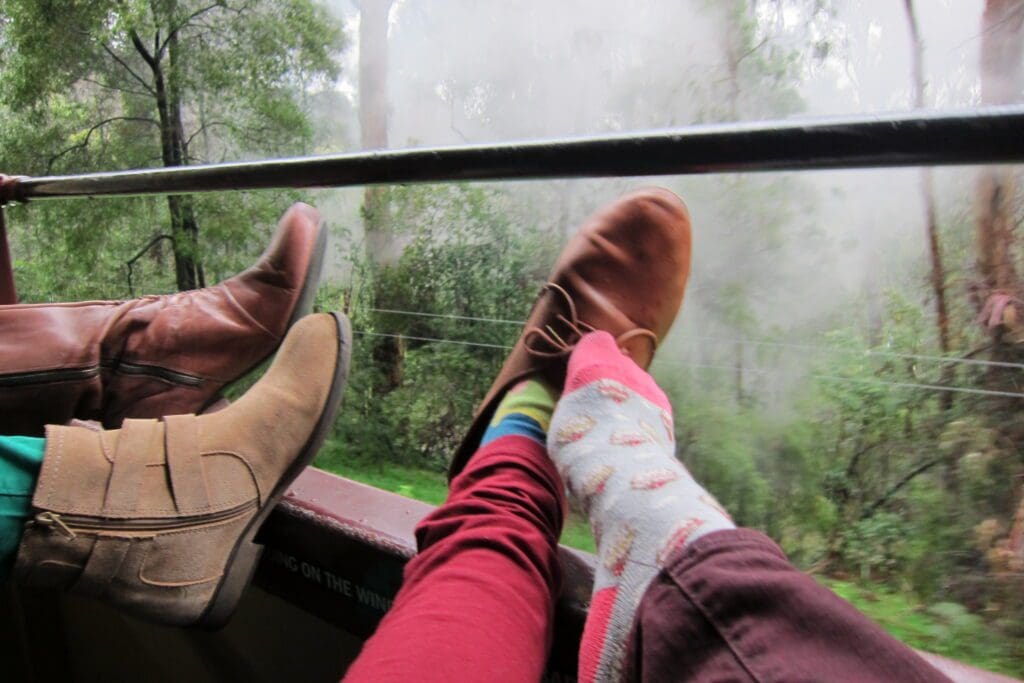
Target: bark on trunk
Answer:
pixel 999 289
pixel 1015 543
pixel 373 120
pixel 733 55
pixel 938 273
pixel 184 227
pixel 189 224
pixel 740 396
pixel 388 352
pixel 951 466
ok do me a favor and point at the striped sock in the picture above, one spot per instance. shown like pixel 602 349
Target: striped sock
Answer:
pixel 525 410
pixel 612 440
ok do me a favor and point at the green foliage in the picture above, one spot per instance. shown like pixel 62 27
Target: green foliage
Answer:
pixel 464 257
pixel 945 628
pixel 241 65
pixel 721 445
pixel 875 546
pixel 86 86
pixel 79 250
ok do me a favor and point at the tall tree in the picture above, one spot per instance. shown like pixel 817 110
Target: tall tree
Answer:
pixel 188 79
pixel 1000 290
pixel 758 76
pixel 736 49
pixel 388 352
pixel 938 273
pixel 373 117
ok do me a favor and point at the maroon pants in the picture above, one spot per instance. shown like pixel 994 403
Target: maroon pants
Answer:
pixel 477 602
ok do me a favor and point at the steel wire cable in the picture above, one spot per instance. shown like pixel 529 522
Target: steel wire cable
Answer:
pixel 740 340
pixel 484 345
pixel 424 314
pixel 730 368
pixel 854 380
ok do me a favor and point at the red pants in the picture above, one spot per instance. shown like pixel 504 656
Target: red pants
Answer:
pixel 477 602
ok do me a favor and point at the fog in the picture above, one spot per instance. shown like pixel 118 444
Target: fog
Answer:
pixel 778 257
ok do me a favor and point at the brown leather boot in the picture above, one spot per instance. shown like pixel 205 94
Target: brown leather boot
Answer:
pixel 624 272
pixel 158 517
pixel 158 355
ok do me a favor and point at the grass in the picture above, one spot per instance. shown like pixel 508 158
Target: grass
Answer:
pixel 947 629
pixel 428 486
pixel 576 533
pixel 411 482
pixel 944 628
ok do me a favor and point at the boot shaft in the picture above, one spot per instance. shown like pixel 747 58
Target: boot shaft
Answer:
pixel 157 355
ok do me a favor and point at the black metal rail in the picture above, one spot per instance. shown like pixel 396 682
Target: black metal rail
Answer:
pixel 992 135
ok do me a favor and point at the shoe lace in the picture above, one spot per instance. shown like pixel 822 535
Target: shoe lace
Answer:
pixel 549 342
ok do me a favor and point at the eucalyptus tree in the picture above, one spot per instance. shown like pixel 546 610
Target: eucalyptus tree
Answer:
pixel 110 83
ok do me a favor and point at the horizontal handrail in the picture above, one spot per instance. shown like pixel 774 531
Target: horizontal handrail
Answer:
pixel 988 135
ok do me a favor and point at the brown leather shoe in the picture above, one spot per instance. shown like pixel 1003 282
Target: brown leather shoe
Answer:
pixel 158 517
pixel 624 272
pixel 158 355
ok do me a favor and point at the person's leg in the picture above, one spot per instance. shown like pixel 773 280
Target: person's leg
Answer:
pixel 612 442
pixel 680 594
pixel 20 460
pixel 477 602
pixel 730 606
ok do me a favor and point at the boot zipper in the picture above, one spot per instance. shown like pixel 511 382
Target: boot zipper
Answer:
pixel 17 379
pixel 66 525
pixel 146 370
pixel 52 520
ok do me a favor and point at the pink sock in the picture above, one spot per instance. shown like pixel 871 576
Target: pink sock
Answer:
pixel 596 358
pixel 612 440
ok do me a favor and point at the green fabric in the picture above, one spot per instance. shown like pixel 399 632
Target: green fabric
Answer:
pixel 20 460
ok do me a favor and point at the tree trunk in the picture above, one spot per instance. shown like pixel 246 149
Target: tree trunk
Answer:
pixel 733 54
pixel 999 290
pixel 189 224
pixel 951 474
pixel 185 234
pixel 938 273
pixel 167 91
pixel 872 287
pixel 733 43
pixel 388 352
pixel 373 120
pixel 740 397
pixel 1015 543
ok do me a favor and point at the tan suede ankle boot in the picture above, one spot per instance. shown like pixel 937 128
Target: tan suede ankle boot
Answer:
pixel 158 517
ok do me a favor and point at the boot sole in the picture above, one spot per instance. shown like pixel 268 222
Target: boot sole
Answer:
pixel 246 554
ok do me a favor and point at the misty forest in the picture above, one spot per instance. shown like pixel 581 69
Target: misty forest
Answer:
pixel 847 369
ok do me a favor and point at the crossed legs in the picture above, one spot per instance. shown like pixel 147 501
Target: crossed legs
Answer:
pixel 477 602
